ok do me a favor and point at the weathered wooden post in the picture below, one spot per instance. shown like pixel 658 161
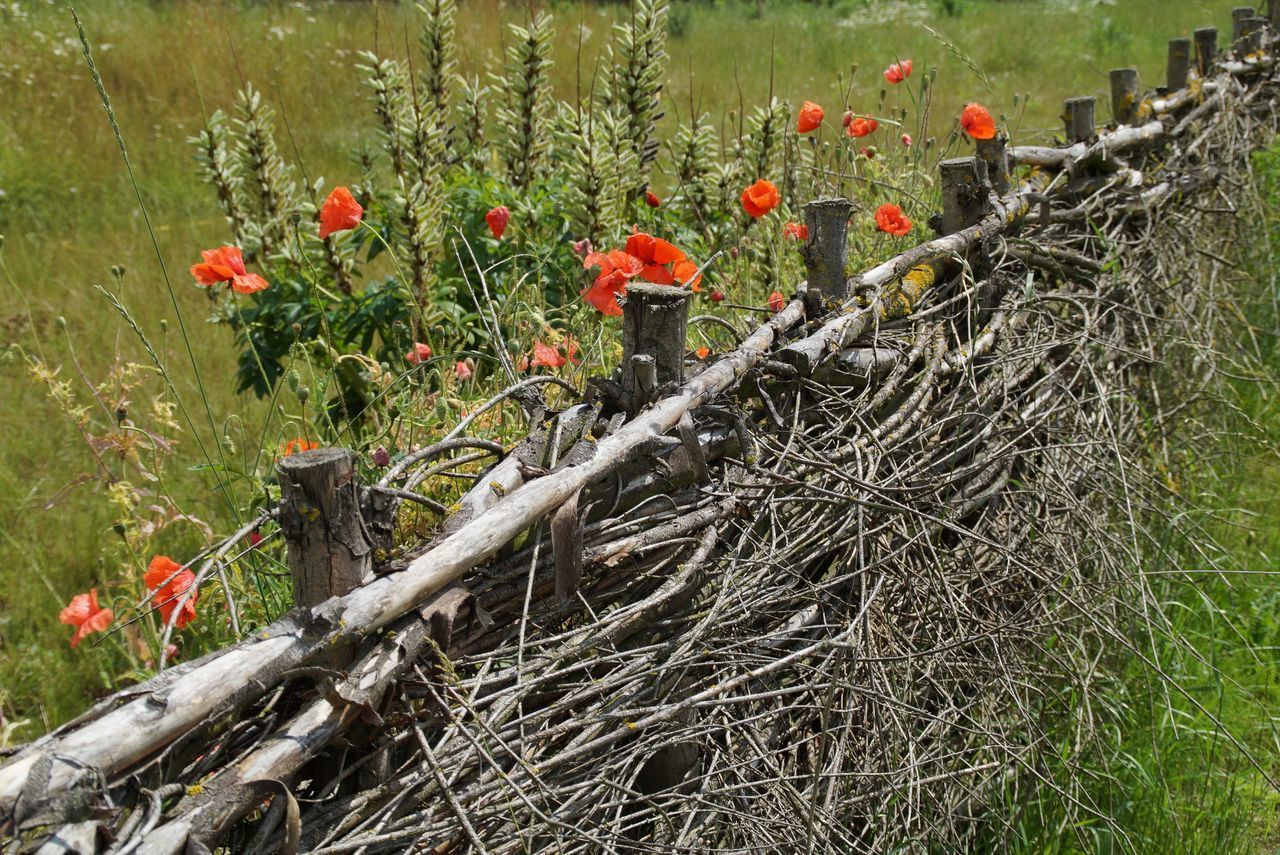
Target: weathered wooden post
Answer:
pixel 995 155
pixel 329 549
pixel 964 193
pixel 1206 49
pixel 1179 64
pixel 826 253
pixel 1238 16
pixel 654 321
pixel 1273 9
pixel 1124 95
pixel 1251 34
pixel 1078 116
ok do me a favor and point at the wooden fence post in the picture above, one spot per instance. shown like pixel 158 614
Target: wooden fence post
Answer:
pixel 964 192
pixel 329 548
pixel 1078 115
pixel 1179 64
pixel 1238 16
pixel 1251 34
pixel 826 252
pixel 1274 10
pixel 654 322
pixel 1124 95
pixel 1206 48
pixel 995 155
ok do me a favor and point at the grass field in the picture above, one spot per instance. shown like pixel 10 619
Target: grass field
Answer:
pixel 68 214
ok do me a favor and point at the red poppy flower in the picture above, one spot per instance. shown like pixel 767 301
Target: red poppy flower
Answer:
pixel 847 119
pixel 254 539
pixel 868 152
pixel 777 302
pixel 546 356
pixel 906 139
pixel 898 72
pixel 651 199
pixel 889 219
pixel 298 444
pixel 85 615
pixel 380 456
pixel 616 267
pixel 760 198
pixel 703 352
pixel 717 296
pixel 810 117
pixel 226 264
pixel 166 592
pixel 977 122
pixel 418 353
pixel 462 370
pixel 861 126
pixel 339 212
pixel 656 254
pixel 497 220
pixel 795 231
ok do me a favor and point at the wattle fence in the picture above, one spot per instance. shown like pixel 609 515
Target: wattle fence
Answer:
pixel 824 591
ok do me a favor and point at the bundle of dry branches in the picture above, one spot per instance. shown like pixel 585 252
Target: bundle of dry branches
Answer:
pixel 825 595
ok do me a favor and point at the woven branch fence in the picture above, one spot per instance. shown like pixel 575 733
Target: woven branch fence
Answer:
pixel 826 592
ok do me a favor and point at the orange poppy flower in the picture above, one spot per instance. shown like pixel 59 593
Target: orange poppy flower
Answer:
pixel 298 444
pixel 977 122
pixel 795 231
pixel 703 352
pixel 84 613
pixel 497 220
pixel 810 117
pixel 656 254
pixel 889 219
pixel 418 353
pixel 339 212
pixel 546 356
pixel 651 199
pixel 226 264
pixel 166 592
pixel 861 126
pixel 760 198
pixel 777 302
pixel 616 267
pixel 898 72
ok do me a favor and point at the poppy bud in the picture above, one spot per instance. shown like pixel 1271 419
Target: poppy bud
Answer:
pixel 228 443
pixel 651 199
pixel 380 457
pixel 295 218
pixel 122 413
pixel 293 380
pixel 303 394
pixel 297 329
pixel 717 296
pixel 117 271
pixel 60 322
pixel 733 252
pixel 118 528
pixel 847 118
pixel 164 325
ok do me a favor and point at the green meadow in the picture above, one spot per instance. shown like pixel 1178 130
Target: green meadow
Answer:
pixel 69 215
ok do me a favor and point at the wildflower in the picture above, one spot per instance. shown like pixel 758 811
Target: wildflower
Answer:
pixel 166 591
pixel 906 140
pixel 655 254
pixel 889 219
pixel 977 122
pixel 226 264
pixel 84 613
pixel 898 72
pixel 862 125
pixel 339 212
pixel 582 248
pixel 868 152
pixel 810 117
pixel 847 119
pixel 523 363
pixel 651 199
pixel 546 356
pixel 418 353
pixel 462 370
pixel 497 220
pixel 777 302
pixel 298 444
pixel 717 296
pixel 616 267
pixel 254 539
pixel 703 352
pixel 795 231
pixel 760 198
pixel 380 457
